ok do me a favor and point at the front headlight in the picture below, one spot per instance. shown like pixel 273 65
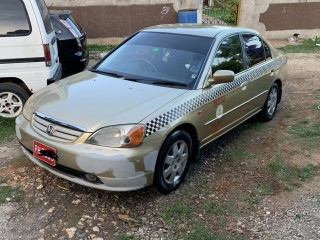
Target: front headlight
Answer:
pixel 28 108
pixel 123 136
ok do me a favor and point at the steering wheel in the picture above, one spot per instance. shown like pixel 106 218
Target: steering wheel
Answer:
pixel 146 63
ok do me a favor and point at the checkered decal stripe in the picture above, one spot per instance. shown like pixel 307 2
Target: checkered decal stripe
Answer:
pixel 202 99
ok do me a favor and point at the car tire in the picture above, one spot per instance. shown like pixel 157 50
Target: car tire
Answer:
pixel 12 99
pixel 270 106
pixel 173 161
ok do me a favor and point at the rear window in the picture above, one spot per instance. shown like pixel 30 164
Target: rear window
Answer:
pixel 45 15
pixel 14 20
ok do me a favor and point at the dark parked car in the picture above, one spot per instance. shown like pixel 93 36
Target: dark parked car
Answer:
pixel 72 42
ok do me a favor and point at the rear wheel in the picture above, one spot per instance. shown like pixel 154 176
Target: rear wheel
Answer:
pixel 270 106
pixel 173 161
pixel 12 99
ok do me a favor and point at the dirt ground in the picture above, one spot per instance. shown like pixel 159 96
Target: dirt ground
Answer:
pixel 231 193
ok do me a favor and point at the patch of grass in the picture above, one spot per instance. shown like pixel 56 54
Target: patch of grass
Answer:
pixel 218 207
pixel 305 173
pixel 14 193
pixel 256 125
pixel 238 152
pixel 2 180
pixel 263 190
pixel 175 210
pixel 7 128
pixel 202 233
pixel 292 176
pixel 73 220
pixel 306 129
pixel 257 192
pixel 125 237
pixel 252 200
pixel 294 152
pixel 317 93
pixel 307 46
pixel 100 47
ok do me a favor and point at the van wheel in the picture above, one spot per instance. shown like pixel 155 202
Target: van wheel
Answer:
pixel 12 99
pixel 173 161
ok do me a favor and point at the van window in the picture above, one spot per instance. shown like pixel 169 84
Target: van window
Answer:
pixel 14 19
pixel 45 15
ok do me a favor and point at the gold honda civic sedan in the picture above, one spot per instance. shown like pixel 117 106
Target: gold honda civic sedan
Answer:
pixel 142 114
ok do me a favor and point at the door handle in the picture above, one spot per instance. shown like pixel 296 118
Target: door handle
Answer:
pixel 272 72
pixel 244 85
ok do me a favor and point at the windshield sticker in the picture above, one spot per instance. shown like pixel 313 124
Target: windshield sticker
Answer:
pixel 193 76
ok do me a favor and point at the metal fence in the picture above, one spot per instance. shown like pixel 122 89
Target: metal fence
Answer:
pixel 220 12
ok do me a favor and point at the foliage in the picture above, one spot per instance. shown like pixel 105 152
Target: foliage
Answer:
pixel 203 233
pixel 14 193
pixel 100 47
pixel 175 210
pixel 291 176
pixel 231 15
pixel 223 10
pixel 7 128
pixel 305 129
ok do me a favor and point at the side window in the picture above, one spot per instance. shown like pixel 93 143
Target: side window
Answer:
pixel 45 15
pixel 229 55
pixel 13 19
pixel 267 51
pixel 254 49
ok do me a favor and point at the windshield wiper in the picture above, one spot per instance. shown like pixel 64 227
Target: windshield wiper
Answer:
pixel 169 83
pixel 112 74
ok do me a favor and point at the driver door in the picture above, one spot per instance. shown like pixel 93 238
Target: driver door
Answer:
pixel 228 105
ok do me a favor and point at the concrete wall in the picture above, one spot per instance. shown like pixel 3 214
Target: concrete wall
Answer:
pixel 109 21
pixel 280 19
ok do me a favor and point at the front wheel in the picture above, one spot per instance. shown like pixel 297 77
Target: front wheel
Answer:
pixel 12 99
pixel 270 106
pixel 173 161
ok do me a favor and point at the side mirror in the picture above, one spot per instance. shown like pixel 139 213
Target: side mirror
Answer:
pixel 220 76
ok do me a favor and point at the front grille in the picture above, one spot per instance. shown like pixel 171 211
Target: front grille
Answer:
pixel 62 132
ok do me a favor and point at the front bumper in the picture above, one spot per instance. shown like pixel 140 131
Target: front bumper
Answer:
pixel 122 169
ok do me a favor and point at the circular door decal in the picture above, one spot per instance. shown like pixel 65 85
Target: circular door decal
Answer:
pixel 219 111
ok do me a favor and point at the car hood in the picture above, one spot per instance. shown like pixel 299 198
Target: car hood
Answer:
pixel 93 101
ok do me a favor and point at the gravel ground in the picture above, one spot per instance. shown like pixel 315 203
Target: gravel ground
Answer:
pixel 287 216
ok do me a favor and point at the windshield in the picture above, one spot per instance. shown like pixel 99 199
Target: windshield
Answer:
pixel 159 58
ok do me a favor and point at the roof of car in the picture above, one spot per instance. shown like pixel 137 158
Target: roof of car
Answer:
pixel 196 29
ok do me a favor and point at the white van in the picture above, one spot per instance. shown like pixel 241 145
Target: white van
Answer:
pixel 28 53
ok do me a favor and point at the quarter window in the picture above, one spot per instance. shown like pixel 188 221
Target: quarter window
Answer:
pixel 254 49
pixel 229 55
pixel 13 18
pixel 45 15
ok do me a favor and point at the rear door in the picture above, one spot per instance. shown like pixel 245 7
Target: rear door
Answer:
pixel 47 33
pixel 258 60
